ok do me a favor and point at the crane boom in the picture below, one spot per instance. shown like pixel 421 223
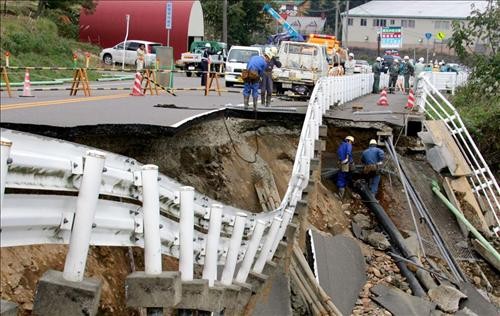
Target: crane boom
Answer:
pixel 291 31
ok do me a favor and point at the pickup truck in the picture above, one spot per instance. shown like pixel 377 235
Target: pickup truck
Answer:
pixel 191 60
pixel 302 64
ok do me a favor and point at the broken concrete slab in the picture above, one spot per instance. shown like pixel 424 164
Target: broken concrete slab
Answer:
pixel 340 268
pixel 358 231
pixel 400 303
pixel 476 302
pixel 439 158
pixel 363 221
pixel 277 302
pixel 466 312
pixel 8 308
pixel 378 240
pixel 446 297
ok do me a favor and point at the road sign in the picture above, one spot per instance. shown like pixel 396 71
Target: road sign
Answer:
pixel 428 36
pixel 168 16
pixel 391 37
pixel 440 36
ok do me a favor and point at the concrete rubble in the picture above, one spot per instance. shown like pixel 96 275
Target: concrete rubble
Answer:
pixel 446 297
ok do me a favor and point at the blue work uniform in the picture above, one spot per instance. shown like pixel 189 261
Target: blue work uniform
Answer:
pixel 257 64
pixel 344 154
pixel 373 156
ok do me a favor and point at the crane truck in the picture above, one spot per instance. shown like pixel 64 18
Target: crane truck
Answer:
pixel 290 33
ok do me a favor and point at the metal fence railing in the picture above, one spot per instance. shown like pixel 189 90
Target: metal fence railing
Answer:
pixel 482 180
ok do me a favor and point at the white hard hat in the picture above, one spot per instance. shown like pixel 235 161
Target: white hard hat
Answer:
pixel 379 59
pixel 350 138
pixel 396 61
pixel 373 142
pixel 406 57
pixel 268 54
pixel 421 59
pixel 208 45
pixel 274 51
pixel 351 54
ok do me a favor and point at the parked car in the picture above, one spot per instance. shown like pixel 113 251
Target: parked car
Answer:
pixel 388 60
pixel 237 59
pixel 115 54
pixel 362 66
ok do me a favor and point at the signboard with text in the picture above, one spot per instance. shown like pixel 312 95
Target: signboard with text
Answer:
pixel 391 37
pixel 168 17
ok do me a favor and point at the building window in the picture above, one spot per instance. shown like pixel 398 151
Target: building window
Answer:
pixel 350 21
pixel 362 22
pixel 393 22
pixel 408 23
pixel 379 22
pixel 442 25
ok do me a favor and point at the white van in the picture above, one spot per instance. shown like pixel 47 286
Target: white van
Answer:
pixel 237 61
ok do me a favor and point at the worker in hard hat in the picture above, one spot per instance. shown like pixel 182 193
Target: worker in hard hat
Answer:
pixel 251 77
pixel 372 159
pixel 376 69
pixel 394 70
pixel 205 58
pixel 408 71
pixel 139 61
pixel 350 64
pixel 266 85
pixel 344 155
pixel 419 68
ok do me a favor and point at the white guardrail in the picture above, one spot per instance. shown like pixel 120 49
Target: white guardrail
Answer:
pixel 482 180
pixel 47 178
pixel 442 81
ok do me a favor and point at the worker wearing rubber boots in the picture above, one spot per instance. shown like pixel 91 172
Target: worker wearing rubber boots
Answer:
pixel 266 86
pixel 372 159
pixel 408 71
pixel 376 69
pixel 252 76
pixel 344 155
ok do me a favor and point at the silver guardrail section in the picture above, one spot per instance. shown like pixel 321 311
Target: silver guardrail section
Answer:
pixel 43 177
pixel 442 81
pixel 482 180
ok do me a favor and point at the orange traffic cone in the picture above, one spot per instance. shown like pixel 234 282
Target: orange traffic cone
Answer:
pixel 136 89
pixel 411 100
pixel 27 85
pixel 383 98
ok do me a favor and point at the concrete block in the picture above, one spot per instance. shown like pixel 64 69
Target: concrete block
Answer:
pixel 319 146
pixel 8 308
pixel 302 208
pixel 242 300
pixel 230 298
pixel 281 251
pixel 256 280
pixel 56 296
pixel 323 131
pixel 159 290
pixel 314 164
pixel 196 294
pixel 269 268
pixel 309 187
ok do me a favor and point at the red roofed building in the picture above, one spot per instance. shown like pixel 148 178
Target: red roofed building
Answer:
pixel 106 26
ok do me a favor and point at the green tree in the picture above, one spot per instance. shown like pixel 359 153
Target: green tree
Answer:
pixel 247 24
pixel 65 13
pixel 476 42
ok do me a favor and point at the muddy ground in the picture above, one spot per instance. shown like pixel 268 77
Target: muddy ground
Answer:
pixel 221 158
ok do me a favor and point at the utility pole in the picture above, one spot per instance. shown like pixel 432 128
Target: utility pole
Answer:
pixel 346 25
pixel 224 21
pixel 337 19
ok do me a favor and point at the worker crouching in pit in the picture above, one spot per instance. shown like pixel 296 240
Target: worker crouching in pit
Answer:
pixel 372 159
pixel 252 76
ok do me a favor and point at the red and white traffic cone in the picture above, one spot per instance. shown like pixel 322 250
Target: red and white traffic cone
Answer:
pixel 383 98
pixel 137 88
pixel 411 100
pixel 27 85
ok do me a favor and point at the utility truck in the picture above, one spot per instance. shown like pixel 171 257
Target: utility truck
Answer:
pixel 302 64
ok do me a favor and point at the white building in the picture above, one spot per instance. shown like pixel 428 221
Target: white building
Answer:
pixel 416 18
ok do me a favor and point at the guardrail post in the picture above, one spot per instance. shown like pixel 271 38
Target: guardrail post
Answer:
pixel 74 267
pixel 287 216
pixel 212 245
pixel 234 248
pixel 151 209
pixel 186 233
pixel 268 243
pixel 5 145
pixel 253 246
pixel 68 292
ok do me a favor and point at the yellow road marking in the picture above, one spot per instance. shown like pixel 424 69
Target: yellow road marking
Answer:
pixel 60 101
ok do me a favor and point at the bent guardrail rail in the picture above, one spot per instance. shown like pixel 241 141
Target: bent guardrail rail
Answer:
pixel 48 173
pixel 482 180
